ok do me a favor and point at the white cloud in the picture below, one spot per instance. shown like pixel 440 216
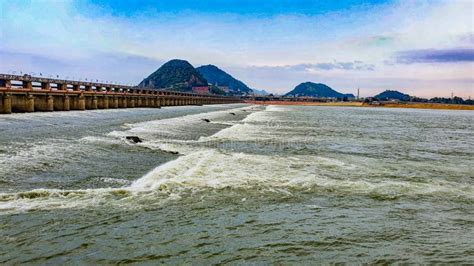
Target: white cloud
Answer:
pixel 90 44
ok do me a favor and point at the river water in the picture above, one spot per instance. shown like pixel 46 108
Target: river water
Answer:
pixel 258 184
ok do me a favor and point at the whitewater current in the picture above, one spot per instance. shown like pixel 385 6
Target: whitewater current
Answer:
pixel 237 184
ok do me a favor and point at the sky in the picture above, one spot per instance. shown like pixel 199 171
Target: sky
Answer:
pixel 423 48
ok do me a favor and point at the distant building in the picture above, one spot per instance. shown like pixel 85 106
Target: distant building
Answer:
pixel 201 89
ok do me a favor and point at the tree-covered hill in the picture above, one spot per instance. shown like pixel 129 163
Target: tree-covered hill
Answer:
pixel 218 77
pixel 176 75
pixel 392 95
pixel 317 90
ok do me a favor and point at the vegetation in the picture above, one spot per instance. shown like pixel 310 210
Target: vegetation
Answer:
pixel 218 77
pixel 177 75
pixel 318 90
pixel 392 95
pixel 396 95
pixel 454 100
pixel 216 90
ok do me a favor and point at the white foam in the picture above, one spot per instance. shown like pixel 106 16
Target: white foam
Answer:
pixel 204 169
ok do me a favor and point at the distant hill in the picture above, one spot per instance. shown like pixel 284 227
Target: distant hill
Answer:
pixel 176 75
pixel 260 92
pixel 310 89
pixel 217 76
pixel 392 95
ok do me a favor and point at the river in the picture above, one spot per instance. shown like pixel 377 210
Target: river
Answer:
pixel 256 184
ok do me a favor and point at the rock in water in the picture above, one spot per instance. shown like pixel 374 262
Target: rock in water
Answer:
pixel 232 113
pixel 206 120
pixel 134 139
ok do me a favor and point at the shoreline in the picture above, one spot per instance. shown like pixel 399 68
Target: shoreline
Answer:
pixel 433 106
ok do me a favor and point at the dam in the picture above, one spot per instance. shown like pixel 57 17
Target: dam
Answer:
pixel 24 93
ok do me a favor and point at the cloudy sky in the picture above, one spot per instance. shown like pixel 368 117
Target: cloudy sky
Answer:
pixel 424 48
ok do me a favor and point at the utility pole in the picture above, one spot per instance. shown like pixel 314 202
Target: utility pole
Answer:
pixel 358 93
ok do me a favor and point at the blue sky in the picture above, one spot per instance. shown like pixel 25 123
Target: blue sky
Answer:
pixel 424 48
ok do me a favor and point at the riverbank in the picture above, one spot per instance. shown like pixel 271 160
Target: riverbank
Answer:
pixel 437 106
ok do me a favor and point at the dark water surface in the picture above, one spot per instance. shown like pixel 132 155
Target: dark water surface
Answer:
pixel 256 185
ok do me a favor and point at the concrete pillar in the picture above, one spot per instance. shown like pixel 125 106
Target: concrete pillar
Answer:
pixel 94 102
pixel 81 102
pixel 5 83
pixel 139 102
pixel 123 102
pixel 114 103
pixel 49 103
pixel 91 102
pixel 44 103
pixel 157 103
pixel 131 102
pixel 66 103
pixel 45 86
pixel 88 88
pixel 76 87
pixel 27 85
pixel 6 104
pixel 29 103
pixel 62 87
pixel 104 102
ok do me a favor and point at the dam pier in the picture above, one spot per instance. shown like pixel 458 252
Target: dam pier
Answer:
pixel 37 94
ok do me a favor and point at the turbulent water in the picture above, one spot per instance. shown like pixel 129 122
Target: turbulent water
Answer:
pixel 255 185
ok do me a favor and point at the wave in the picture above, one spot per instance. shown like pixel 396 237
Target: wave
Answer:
pixel 238 175
pixel 204 170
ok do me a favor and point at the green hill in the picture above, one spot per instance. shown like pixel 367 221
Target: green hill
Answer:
pixel 175 75
pixel 217 76
pixel 317 90
pixel 392 95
